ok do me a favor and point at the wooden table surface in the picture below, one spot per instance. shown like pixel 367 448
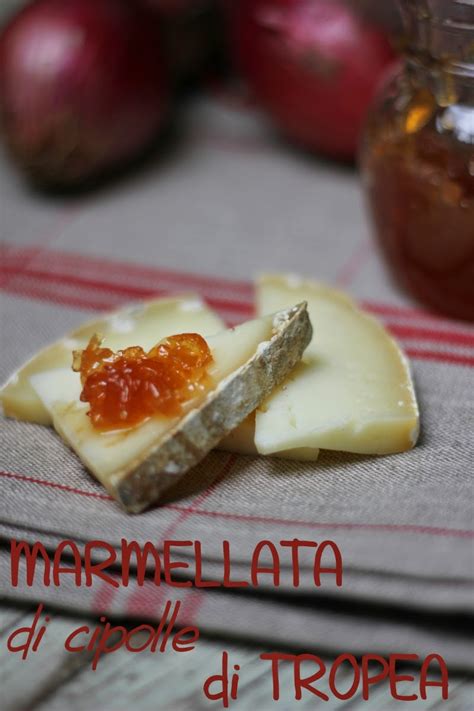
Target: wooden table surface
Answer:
pixel 53 679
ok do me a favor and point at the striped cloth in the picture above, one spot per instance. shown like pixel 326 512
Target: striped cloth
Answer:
pixel 229 201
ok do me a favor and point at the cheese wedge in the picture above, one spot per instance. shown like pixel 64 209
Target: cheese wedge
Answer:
pixel 141 325
pixel 138 464
pixel 242 441
pixel 353 390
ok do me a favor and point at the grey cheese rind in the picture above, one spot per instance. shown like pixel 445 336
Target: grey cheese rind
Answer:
pixel 223 410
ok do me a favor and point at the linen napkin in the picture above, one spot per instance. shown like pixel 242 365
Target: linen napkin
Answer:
pixel 231 201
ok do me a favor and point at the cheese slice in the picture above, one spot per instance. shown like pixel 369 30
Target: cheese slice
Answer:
pixel 136 465
pixel 353 390
pixel 242 441
pixel 143 325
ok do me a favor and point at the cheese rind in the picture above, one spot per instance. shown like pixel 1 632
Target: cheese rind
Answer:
pixel 353 389
pixel 143 325
pixel 137 465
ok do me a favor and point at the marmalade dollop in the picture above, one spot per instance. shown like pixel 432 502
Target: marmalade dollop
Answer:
pixel 129 386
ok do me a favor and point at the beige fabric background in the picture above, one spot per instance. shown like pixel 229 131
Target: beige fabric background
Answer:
pixel 226 201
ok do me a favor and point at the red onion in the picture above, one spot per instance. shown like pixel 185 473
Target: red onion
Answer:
pixel 314 65
pixel 82 87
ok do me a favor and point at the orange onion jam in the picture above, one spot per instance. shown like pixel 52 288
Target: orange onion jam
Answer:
pixel 127 387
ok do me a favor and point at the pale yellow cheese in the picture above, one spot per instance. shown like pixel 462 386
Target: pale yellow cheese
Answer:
pixel 135 465
pixel 108 454
pixel 242 441
pixel 143 325
pixel 353 389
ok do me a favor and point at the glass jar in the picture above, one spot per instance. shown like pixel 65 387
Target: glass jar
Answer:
pixel 417 158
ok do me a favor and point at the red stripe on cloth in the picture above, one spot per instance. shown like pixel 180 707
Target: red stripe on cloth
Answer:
pixel 186 512
pixel 54 485
pixel 149 599
pixel 51 295
pixel 87 301
pixel 189 510
pixel 103 598
pixel 109 267
pixel 78 291
pixel 126 290
pixel 457 338
pixel 353 266
pixel 407 528
pixel 449 358
pixel 26 279
pixel 14 257
pixel 403 312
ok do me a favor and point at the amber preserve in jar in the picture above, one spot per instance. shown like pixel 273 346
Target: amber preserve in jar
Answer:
pixel 417 158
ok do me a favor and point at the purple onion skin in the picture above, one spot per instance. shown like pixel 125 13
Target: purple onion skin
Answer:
pixel 313 66
pixel 83 87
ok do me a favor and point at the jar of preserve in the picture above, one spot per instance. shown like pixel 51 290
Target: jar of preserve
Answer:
pixel 417 158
